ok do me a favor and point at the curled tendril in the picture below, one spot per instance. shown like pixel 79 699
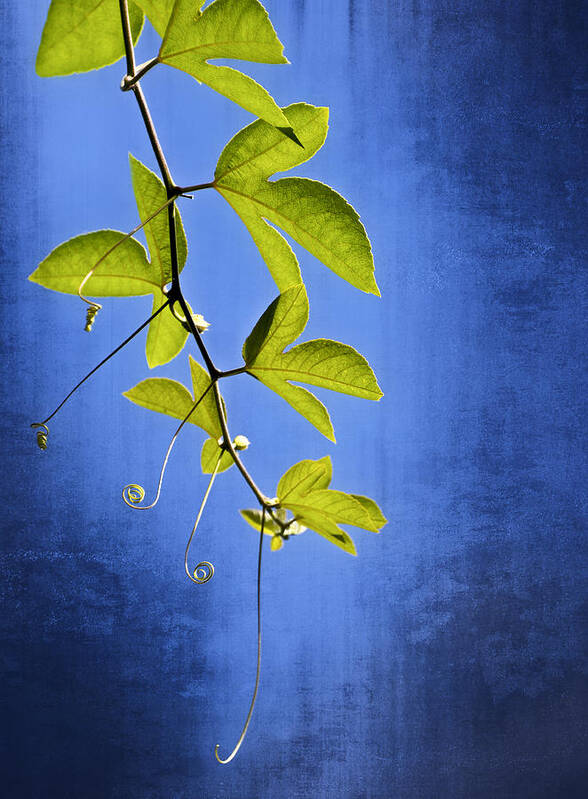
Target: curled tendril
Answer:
pixel 42 434
pixel 248 719
pixel 133 494
pixel 204 570
pixel 91 315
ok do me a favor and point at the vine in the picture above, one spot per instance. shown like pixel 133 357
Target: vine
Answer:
pixel 81 35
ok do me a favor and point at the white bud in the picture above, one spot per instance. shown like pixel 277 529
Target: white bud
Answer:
pixel 201 324
pixel 240 443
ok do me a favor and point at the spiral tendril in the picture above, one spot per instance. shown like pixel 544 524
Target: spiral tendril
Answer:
pixel 203 572
pixel 133 494
pixel 91 315
pixel 42 434
pixel 248 719
pixel 196 576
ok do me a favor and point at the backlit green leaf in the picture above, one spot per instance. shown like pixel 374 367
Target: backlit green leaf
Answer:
pixel 80 35
pixel 303 477
pixel 324 363
pixel 377 517
pixel 336 505
pixel 253 517
pixel 304 491
pixel 231 29
pixel 163 395
pixel 158 12
pixel 166 336
pixel 207 411
pixel 167 396
pixel 318 218
pixel 209 457
pixel 126 272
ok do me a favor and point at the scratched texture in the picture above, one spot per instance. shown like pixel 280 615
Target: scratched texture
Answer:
pixel 448 659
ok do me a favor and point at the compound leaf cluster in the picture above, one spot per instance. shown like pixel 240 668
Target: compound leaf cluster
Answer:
pixel 304 491
pixel 81 35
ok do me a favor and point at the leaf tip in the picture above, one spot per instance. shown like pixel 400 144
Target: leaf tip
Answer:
pixel 374 288
pixel 289 132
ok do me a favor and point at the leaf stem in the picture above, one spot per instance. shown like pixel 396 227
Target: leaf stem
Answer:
pixel 151 132
pixel 196 187
pixel 228 443
pixel 128 36
pixel 240 370
pixel 129 81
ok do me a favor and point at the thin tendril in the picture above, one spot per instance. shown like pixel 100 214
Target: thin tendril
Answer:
pixel 242 737
pixel 103 361
pixel 133 493
pixel 97 305
pixel 204 570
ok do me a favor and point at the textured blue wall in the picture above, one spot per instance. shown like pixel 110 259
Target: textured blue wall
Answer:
pixel 447 660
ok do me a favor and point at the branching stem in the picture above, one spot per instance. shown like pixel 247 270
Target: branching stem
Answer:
pixel 175 293
pixel 128 82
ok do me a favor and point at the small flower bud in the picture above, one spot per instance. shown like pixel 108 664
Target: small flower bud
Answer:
pixel 201 324
pixel 240 443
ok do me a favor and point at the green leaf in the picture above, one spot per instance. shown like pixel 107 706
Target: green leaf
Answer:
pixel 207 414
pixel 233 29
pixel 336 505
pixel 303 477
pixel 377 517
pixel 209 457
pixel 318 218
pixel 324 363
pixel 326 527
pixel 172 398
pixel 163 395
pixel 166 336
pixel 126 272
pixel 80 35
pixel 303 490
pixel 158 13
pixel 253 518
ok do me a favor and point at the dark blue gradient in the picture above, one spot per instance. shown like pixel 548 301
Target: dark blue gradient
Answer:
pixel 448 659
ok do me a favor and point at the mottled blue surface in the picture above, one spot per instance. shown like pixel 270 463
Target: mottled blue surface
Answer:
pixel 448 659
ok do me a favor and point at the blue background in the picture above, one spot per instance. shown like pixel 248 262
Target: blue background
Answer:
pixel 448 659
